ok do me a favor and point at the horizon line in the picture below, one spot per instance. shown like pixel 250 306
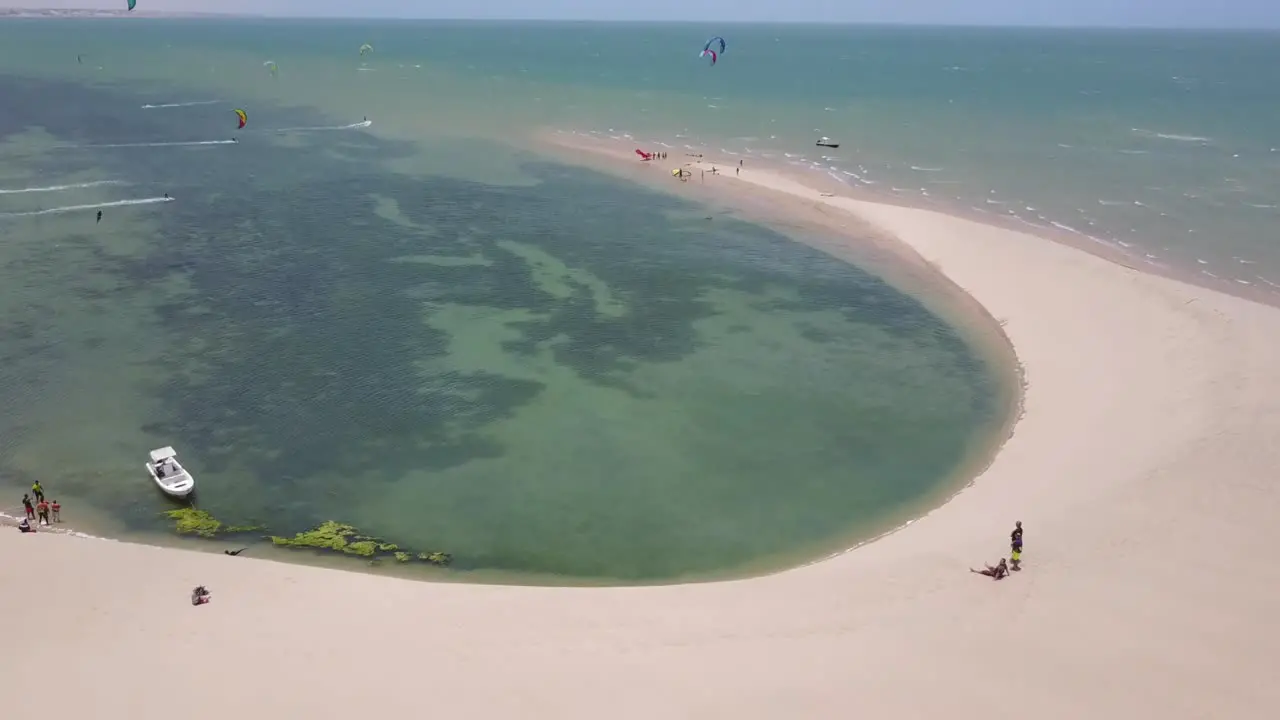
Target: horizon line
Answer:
pixel 104 13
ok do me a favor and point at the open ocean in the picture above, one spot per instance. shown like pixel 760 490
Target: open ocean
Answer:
pixel 417 326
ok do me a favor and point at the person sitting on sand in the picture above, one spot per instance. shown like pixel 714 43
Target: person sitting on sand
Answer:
pixel 996 573
pixel 25 526
pixel 200 595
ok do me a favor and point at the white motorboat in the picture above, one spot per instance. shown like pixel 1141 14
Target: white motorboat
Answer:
pixel 173 479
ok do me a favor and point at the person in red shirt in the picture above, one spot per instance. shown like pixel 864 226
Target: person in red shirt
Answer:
pixel 42 509
pixel 57 510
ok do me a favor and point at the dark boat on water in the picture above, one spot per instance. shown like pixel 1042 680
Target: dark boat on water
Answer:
pixel 826 142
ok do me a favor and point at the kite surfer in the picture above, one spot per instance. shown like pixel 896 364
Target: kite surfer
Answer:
pixel 99 217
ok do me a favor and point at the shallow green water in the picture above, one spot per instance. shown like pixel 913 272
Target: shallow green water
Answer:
pixel 444 341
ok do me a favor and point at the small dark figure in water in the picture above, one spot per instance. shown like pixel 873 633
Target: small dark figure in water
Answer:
pixel 99 217
pixel 166 196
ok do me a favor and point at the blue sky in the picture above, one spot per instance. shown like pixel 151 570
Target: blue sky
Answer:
pixel 1175 13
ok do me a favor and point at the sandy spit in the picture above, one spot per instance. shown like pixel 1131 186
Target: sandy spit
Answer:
pixel 1143 469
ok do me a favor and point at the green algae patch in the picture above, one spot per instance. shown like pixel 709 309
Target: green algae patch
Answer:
pixel 190 521
pixel 330 536
pixel 337 537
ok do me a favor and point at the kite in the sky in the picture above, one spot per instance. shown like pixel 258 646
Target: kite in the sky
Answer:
pixel 133 4
pixel 240 114
pixel 365 49
pixel 707 51
pixel 270 65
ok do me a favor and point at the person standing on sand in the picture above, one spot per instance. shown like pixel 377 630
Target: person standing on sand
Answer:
pixel 56 509
pixel 26 505
pixel 42 508
pixel 1015 545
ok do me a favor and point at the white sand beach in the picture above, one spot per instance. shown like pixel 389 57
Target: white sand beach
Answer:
pixel 1142 470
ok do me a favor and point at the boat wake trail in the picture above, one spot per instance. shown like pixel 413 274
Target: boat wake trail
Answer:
pixel 56 188
pixel 185 104
pixel 94 206
pixel 190 143
pixel 352 126
pixel 1152 134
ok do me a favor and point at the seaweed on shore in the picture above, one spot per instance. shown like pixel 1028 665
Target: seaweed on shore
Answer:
pixel 190 521
pixel 330 535
pixel 337 537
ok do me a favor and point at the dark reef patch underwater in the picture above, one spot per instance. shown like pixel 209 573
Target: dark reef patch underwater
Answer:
pixel 336 341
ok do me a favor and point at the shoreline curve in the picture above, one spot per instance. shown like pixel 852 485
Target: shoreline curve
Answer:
pixel 1143 469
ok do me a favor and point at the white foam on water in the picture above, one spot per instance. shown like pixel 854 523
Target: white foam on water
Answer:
pixel 1171 136
pixel 191 143
pixel 93 206
pixel 58 188
pixel 352 126
pixel 180 105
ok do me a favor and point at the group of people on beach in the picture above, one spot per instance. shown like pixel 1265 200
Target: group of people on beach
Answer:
pixel 1001 569
pixel 42 511
pixel 683 175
